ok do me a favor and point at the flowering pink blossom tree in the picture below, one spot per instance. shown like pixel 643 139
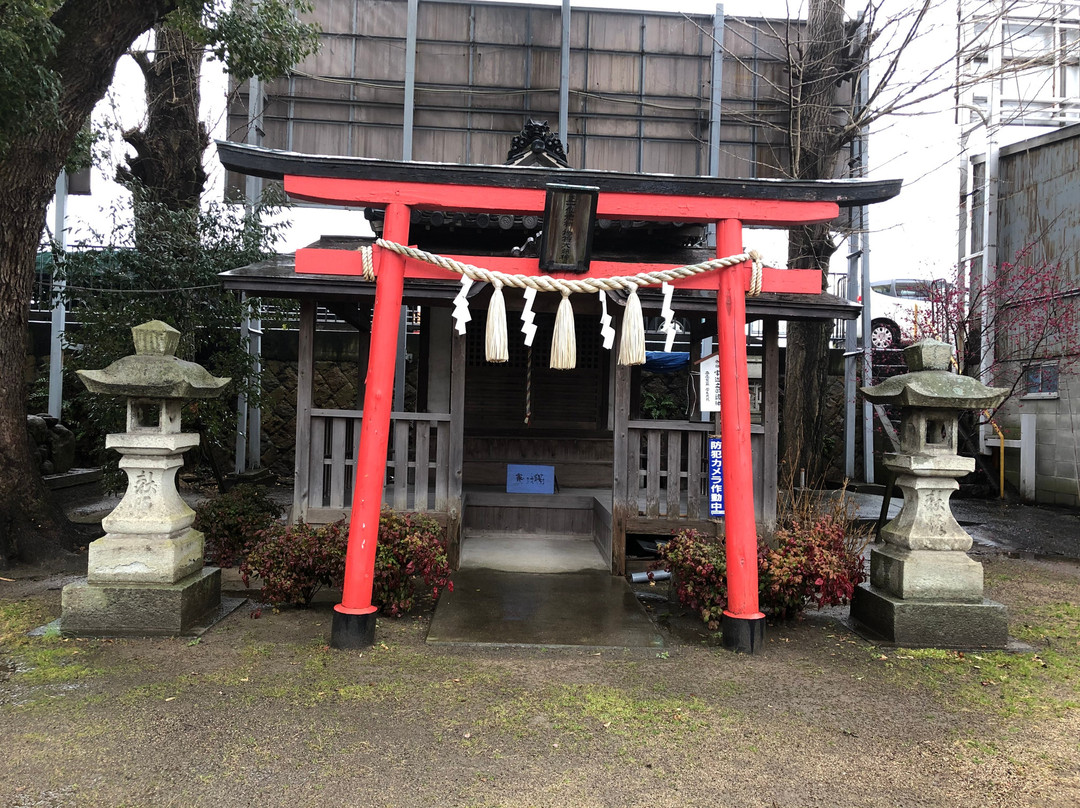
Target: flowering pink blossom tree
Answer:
pixel 1028 312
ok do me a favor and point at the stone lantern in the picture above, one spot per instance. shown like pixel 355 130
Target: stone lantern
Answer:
pixel 924 590
pixel 146 575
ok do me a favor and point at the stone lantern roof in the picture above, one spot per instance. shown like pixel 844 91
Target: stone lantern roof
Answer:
pixel 154 371
pixel 930 382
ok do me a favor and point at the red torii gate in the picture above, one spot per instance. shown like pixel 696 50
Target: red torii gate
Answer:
pixel 401 187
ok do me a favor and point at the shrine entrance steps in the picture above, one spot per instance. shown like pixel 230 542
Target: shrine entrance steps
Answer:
pixel 589 609
pixel 537 533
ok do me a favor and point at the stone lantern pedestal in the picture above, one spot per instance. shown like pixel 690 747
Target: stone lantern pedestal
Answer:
pixel 924 590
pixel 146 575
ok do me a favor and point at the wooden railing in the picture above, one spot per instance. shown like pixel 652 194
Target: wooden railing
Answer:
pixel 668 474
pixel 417 464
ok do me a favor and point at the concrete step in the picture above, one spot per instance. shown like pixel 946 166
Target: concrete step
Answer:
pixel 529 552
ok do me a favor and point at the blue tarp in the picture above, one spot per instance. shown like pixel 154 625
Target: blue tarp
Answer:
pixel 666 362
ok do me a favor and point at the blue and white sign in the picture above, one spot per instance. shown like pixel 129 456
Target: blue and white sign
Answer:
pixel 716 476
pixel 522 479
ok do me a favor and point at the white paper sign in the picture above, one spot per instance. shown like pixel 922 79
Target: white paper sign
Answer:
pixel 710 385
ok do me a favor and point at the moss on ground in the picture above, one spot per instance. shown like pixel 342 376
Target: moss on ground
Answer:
pixel 1039 678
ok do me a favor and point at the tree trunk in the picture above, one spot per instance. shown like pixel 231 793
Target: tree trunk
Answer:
pixel 166 171
pixel 22 510
pixel 95 35
pixel 815 144
pixel 807 366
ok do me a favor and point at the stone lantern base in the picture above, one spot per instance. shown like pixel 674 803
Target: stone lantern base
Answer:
pixel 928 599
pixel 140 609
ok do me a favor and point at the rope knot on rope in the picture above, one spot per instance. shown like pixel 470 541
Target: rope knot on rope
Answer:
pixel 755 273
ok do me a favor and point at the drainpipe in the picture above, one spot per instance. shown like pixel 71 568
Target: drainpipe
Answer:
pixel 59 312
pixel 990 214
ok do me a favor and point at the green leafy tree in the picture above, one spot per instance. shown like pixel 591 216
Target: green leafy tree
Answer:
pixel 57 58
pixel 109 291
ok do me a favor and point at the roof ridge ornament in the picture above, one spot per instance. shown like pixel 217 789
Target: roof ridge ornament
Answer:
pixel 537 145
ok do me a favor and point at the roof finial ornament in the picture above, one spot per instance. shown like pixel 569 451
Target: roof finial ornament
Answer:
pixel 537 145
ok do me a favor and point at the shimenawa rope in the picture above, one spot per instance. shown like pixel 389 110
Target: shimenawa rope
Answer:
pixel 563 344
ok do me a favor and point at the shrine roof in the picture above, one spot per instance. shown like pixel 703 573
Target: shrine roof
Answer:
pixel 274 164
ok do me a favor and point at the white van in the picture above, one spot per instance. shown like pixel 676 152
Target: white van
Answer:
pixel 897 308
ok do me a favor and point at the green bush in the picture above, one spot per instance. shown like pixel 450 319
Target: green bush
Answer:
pixel 295 562
pixel 233 521
pixel 110 289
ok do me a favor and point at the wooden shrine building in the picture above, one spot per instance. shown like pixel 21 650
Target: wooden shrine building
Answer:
pixel 618 473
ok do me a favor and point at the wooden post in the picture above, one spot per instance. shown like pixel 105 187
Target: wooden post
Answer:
pixel 620 484
pixel 456 497
pixel 743 625
pixel 305 360
pixel 354 618
pixel 770 420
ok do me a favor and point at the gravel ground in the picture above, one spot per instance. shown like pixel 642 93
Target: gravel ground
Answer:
pixel 260 711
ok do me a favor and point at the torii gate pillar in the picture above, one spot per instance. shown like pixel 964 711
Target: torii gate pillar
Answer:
pixel 742 625
pixel 353 624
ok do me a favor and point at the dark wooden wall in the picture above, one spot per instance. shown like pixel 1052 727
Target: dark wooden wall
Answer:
pixel 640 89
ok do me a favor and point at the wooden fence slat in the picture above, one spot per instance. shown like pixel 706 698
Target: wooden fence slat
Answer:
pixel 317 453
pixel 652 474
pixel 442 465
pixel 694 443
pixel 401 465
pixel 350 459
pixel 674 474
pixel 422 466
pixel 337 462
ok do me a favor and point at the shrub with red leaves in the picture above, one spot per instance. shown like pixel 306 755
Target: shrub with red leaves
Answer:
pixel 698 565
pixel 812 562
pixel 295 562
pixel 411 550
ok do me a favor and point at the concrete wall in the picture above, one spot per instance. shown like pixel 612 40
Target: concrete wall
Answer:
pixel 1039 227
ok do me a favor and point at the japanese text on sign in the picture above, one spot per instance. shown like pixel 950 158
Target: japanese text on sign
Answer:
pixel 716 476
pixel 710 384
pixel 530 479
